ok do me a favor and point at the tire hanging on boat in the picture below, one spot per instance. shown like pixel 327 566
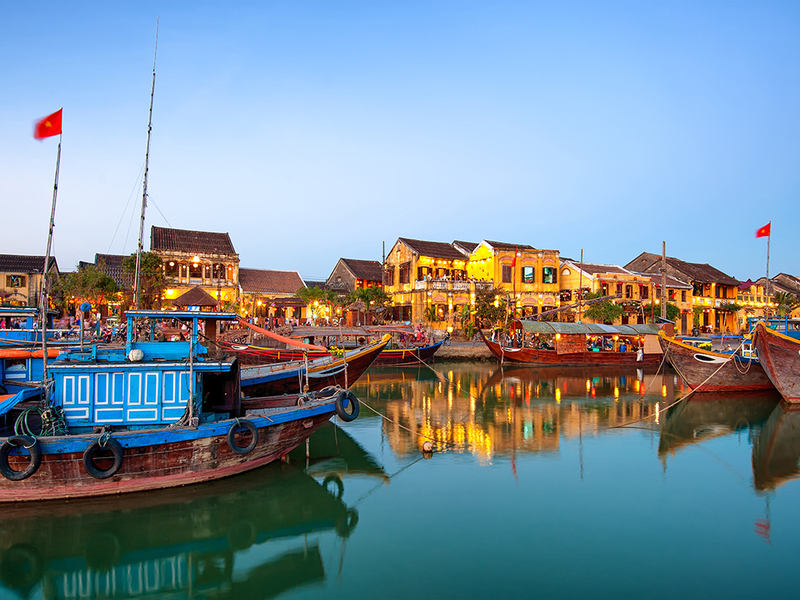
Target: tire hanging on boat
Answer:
pixel 347 401
pixel 91 452
pixel 232 436
pixel 28 442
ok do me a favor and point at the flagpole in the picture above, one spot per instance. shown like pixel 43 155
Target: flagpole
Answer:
pixel 43 302
pixel 766 307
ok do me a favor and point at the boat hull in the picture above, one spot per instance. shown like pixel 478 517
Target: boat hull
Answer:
pixel 780 358
pixel 255 355
pixel 274 380
pixel 163 458
pixel 705 371
pixel 537 357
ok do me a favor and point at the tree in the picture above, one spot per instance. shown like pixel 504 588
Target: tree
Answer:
pixel 374 299
pixel 87 284
pixel 653 311
pixel 151 279
pixel 604 311
pixel 485 309
pixel 786 303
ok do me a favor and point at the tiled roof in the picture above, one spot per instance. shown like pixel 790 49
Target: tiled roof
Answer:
pixel 14 263
pixel 182 240
pixel 695 272
pixel 468 247
pixel 368 270
pixel 434 249
pixel 594 269
pixel 269 282
pixel 672 282
pixel 113 268
pixel 505 246
pixel 196 296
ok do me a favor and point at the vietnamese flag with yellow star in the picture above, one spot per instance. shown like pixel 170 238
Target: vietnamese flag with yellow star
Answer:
pixel 764 231
pixel 49 126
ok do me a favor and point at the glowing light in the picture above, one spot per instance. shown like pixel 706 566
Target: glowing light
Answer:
pixel 616 391
pixel 664 390
pixel 588 385
pixel 558 395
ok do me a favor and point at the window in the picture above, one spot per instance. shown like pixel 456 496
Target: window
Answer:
pixel 549 275
pixel 195 270
pixel 218 271
pixel 629 291
pixel 604 289
pixel 388 276
pixel 683 295
pixel 697 289
pixel 528 275
pixel 171 269
pixel 619 290
pixel 506 274
pixel 403 274
pixel 15 281
pixel 644 292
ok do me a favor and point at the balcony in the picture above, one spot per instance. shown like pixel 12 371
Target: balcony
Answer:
pixel 452 286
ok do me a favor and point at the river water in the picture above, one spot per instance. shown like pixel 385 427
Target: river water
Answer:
pixel 545 483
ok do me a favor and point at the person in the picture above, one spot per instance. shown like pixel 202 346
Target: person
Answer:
pixel 639 355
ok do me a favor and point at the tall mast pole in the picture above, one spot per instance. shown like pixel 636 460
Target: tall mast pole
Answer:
pixel 580 291
pixel 138 273
pixel 664 280
pixel 766 305
pixel 43 302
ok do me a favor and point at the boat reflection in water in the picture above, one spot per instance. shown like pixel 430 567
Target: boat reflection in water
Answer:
pixel 776 451
pixel 180 542
pixel 703 417
pixel 489 411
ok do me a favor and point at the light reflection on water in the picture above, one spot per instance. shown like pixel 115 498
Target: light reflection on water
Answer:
pixel 534 490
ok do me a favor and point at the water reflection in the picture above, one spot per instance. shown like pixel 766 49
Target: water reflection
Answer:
pixel 176 543
pixel 776 452
pixel 489 411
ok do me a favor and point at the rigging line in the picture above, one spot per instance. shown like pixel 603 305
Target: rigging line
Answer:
pixel 149 197
pixel 382 483
pixel 124 210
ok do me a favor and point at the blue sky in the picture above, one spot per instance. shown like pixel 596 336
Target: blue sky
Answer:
pixel 311 131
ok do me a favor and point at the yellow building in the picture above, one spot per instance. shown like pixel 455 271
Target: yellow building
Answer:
pixel 526 277
pixel 21 278
pixel 197 258
pixel 626 288
pixel 713 292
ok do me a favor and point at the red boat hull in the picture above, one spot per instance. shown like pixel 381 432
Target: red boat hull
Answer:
pixel 780 357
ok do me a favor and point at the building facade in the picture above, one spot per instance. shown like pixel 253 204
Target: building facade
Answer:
pixel 272 295
pixel 21 278
pixel 351 274
pixel 197 258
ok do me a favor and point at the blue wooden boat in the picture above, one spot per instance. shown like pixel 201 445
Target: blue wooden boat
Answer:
pixel 153 415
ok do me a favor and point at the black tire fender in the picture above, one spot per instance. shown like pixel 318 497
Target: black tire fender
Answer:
pixel 31 444
pixel 338 484
pixel 242 423
pixel 90 453
pixel 347 406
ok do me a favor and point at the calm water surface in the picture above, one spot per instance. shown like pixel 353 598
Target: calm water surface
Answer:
pixel 534 491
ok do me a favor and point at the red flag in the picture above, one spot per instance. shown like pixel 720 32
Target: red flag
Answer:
pixel 764 231
pixel 514 260
pixel 49 126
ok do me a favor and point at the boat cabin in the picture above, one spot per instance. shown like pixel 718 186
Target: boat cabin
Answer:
pixel 148 383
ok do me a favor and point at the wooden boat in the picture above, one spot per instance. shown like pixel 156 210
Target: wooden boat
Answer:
pixel 780 357
pixel 708 371
pixel 154 415
pixel 571 342
pixel 189 542
pixel 393 354
pixel 291 377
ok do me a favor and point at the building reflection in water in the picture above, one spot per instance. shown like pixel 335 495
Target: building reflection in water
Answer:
pixel 490 411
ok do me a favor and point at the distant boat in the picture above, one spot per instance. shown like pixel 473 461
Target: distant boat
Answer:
pixel 571 341
pixel 708 371
pixel 327 370
pixel 393 354
pixel 780 357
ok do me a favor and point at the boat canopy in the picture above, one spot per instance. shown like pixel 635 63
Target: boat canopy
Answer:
pixel 587 328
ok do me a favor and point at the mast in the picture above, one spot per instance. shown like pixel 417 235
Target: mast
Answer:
pixel 664 280
pixel 138 272
pixel 44 304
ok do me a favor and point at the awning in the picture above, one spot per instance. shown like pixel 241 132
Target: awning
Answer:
pixel 587 328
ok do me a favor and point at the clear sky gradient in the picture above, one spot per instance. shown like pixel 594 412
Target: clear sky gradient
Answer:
pixel 311 131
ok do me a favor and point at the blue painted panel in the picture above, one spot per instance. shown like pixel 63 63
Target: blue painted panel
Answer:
pixel 185 389
pixel 68 390
pixel 170 380
pixel 172 413
pixel 109 415
pixel 134 389
pixel 75 416
pixel 152 393
pixel 142 415
pixel 101 388
pixel 84 389
pixel 118 388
